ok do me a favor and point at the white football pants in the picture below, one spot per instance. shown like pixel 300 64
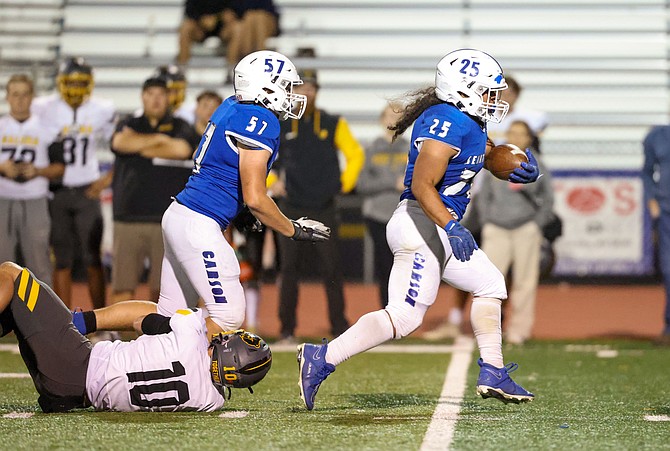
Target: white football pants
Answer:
pixel 423 258
pixel 199 263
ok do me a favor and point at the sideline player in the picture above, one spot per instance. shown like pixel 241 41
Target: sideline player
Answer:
pixel 85 125
pixel 176 83
pixel 29 158
pixel 447 150
pixel 177 368
pixel 230 168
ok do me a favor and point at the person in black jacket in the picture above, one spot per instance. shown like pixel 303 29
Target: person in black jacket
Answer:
pixel 153 162
pixel 308 179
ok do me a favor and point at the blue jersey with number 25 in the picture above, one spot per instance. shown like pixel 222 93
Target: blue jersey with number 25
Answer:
pixel 214 188
pixel 446 123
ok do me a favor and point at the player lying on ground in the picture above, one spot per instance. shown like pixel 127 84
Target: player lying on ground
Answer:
pixel 429 244
pixel 176 369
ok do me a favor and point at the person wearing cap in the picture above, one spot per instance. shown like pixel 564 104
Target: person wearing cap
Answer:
pixel 153 162
pixel 307 179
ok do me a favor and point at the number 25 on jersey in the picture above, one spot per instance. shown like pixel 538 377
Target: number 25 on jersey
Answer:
pixel 442 130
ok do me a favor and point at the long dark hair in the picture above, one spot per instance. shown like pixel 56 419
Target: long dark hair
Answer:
pixel 419 100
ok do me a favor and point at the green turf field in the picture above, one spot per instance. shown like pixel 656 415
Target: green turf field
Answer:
pixel 385 402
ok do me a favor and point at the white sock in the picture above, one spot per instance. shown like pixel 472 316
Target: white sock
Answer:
pixel 372 329
pixel 252 296
pixel 485 319
pixel 456 316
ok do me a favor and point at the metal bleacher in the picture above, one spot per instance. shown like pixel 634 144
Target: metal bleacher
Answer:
pixel 29 40
pixel 599 68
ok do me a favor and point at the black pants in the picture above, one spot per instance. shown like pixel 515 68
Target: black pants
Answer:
pixel 383 258
pixel 76 223
pixel 55 353
pixel 293 253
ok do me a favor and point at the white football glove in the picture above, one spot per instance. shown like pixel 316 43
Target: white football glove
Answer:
pixel 309 230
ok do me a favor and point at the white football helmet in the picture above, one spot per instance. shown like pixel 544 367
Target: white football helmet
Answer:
pixel 465 76
pixel 268 77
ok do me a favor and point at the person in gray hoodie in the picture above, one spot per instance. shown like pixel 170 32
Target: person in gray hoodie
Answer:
pixel 513 217
pixel 381 182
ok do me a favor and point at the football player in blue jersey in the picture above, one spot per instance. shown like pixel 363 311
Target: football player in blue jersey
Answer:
pixel 447 149
pixel 231 164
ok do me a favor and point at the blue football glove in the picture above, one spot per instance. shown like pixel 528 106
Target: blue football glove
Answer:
pixel 461 241
pixel 528 172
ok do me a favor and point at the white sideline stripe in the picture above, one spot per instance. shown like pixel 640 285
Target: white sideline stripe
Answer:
pixel 14 376
pixel 440 431
pixel 18 415
pixel 234 414
pixel 13 348
pixel 657 418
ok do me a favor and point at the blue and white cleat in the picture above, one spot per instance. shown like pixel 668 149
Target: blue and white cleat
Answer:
pixel 495 383
pixel 313 370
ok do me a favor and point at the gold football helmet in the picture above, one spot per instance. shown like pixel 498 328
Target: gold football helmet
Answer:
pixel 75 81
pixel 176 84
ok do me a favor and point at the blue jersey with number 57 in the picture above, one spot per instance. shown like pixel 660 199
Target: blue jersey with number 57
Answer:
pixel 446 123
pixel 214 188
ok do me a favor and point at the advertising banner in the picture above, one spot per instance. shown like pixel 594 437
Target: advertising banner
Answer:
pixel 606 229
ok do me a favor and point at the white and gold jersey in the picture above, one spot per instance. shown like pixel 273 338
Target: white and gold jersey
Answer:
pixel 85 131
pixel 168 372
pixel 24 142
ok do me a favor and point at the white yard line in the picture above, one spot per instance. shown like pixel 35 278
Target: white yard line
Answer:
pixel 14 376
pixel 441 428
pixel 234 414
pixel 657 418
pixel 19 415
pixel 10 347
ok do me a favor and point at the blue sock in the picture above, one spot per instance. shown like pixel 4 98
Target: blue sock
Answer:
pixel 78 321
pixel 85 322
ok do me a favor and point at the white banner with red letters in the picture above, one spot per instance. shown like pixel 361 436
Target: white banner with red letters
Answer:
pixel 606 229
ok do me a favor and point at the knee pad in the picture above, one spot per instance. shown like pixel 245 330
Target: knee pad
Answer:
pixel 406 318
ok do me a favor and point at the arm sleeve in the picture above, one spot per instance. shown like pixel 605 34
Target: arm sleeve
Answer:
pixel 353 154
pixel 156 324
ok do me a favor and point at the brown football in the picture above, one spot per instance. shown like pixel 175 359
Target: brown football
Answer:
pixel 501 160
